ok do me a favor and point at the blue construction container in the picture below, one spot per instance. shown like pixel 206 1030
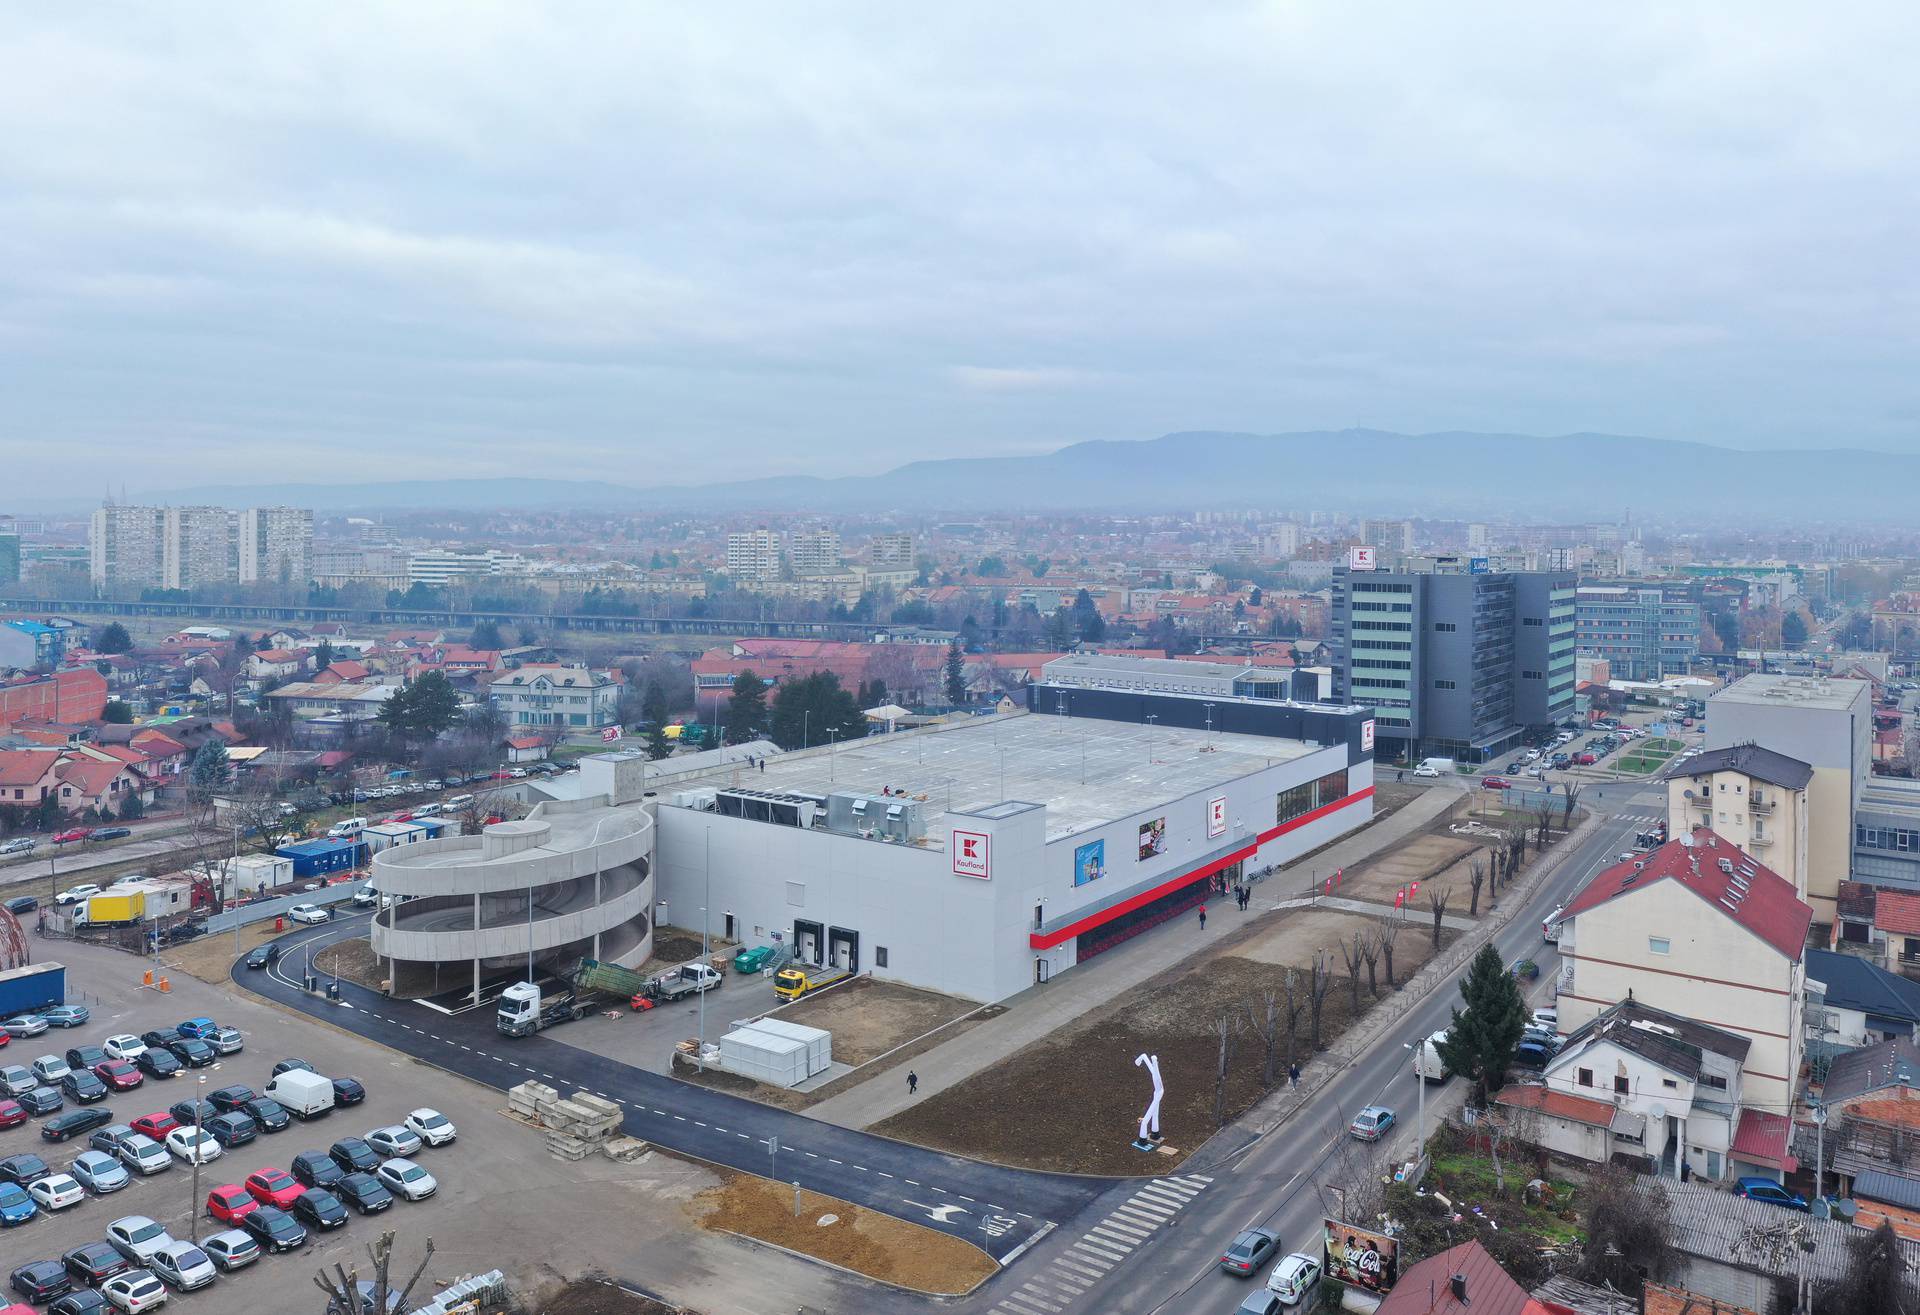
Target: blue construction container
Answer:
pixel 316 858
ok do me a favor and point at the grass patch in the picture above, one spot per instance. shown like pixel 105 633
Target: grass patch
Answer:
pixel 1467 1179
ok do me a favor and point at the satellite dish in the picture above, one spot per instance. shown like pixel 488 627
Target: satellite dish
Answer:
pixel 1658 1112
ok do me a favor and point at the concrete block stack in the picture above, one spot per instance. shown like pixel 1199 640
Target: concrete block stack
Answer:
pixel 531 1100
pixel 577 1127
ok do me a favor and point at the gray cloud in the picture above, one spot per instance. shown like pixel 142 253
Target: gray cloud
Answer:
pixel 669 244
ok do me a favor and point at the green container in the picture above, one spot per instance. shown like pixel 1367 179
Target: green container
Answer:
pixel 750 961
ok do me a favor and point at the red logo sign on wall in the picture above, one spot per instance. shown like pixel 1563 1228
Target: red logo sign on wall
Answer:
pixel 972 855
pixel 610 734
pixel 1216 817
pixel 1366 736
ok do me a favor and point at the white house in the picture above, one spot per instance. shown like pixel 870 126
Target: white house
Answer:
pixel 550 694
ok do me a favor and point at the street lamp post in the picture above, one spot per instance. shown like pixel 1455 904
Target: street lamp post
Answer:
pixel 1420 1125
pixel 193 1202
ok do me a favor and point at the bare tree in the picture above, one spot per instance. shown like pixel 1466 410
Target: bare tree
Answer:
pixel 1356 1176
pixel 1476 878
pixel 1437 899
pixel 1369 944
pixel 1290 989
pixel 1279 1006
pixel 1388 933
pixel 1569 796
pixel 1317 988
pixel 1350 955
pixel 1227 1028
pixel 343 1285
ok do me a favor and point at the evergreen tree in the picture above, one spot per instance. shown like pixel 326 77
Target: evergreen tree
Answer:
pixel 815 710
pixel 486 636
pixel 434 706
pixel 118 713
pixel 658 745
pixel 112 638
pixel 212 770
pixel 956 678
pixel 1876 1278
pixel 323 655
pixel 1060 630
pixel 1255 598
pixel 1481 1038
pixel 746 710
pixel 1087 619
pixel 1793 630
pixel 653 705
pixel 131 809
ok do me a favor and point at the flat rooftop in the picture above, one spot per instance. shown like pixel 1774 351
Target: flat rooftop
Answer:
pixel 1084 770
pixel 1769 689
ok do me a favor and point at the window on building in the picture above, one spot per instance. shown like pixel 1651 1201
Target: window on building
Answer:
pixel 1039 916
pixel 1444 684
pixel 1530 621
pixel 1620 1084
pixel 1584 1077
pixel 1659 945
pixel 879 956
pixel 1670 1084
pixel 1445 627
pixel 1713 1080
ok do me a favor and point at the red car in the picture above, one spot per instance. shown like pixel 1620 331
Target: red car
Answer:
pixel 67 837
pixel 401 817
pixel 11 1115
pixel 1495 783
pixel 156 1126
pixel 274 1187
pixel 230 1204
pixel 1584 759
pixel 119 1074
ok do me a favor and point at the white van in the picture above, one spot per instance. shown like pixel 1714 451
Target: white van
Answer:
pixel 305 1095
pixel 1294 1278
pixel 456 803
pixel 427 810
pixel 350 827
pixel 1427 1063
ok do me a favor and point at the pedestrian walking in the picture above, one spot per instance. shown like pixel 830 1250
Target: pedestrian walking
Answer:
pixel 1203 917
pixel 1293 1074
pixel 913 1082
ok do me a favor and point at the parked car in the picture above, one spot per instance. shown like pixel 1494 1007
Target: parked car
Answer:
pixel 188 1112
pixel 431 1127
pixel 193 1052
pixel 403 1177
pixel 16 1206
pixel 143 1155
pixel 67 1015
pixel 135 1291
pixel 93 1263
pixel 1765 1189
pixel 201 1027
pixel 273 1187
pixel 12 1114
pixel 319 1209
pixel 21 905
pixel 316 1169
pixel 261 956
pixel 1532 1055
pixel 85 1057
pixel 182 1266
pixel 74 1123
pixel 22 1026
pixel 40 1281
pixel 1249 1250
pixel 230 1203
pixel 124 1045
pixel 16 1078
pixel 363 1192
pixel 353 1155
pixel 274 1229
pixel 99 1172
pixel 119 1075
pixel 108 1138
pixel 269 1113
pixel 41 1100
pixel 232 1130
pixel 1372 1123
pixel 82 1087
pixel 193 1146
pixel 81 1301
pixel 136 1237
pixel 231 1249
pixel 160 1038
pixel 228 1041
pixel 57 1191
pixel 393 1141
pixel 348 1091
pixel 289 1065
pixel 156 1126
pixel 70 835
pixel 228 1099
pixel 23 1169
pixel 160 1064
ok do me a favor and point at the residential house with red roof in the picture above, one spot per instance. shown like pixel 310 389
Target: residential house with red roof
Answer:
pixel 342 672
pixel 26 775
pixel 912 672
pixel 273 663
pixel 1462 1280
pixel 1701 929
pixel 101 784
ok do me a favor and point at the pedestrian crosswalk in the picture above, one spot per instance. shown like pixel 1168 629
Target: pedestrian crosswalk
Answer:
pixel 1067 1276
pixel 1643 815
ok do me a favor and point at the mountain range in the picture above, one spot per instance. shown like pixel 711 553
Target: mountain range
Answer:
pixel 1577 476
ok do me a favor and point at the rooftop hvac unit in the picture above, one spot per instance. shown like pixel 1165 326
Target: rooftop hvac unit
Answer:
pixel 780 808
pixel 1726 866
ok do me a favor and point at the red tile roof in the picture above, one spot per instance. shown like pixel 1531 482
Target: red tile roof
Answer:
pixel 88 776
pixel 1764 1138
pixel 1426 1288
pixel 20 767
pixel 1768 908
pixel 1658 1299
pixel 1559 1104
pixel 1897 911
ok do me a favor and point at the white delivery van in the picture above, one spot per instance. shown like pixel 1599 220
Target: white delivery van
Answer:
pixel 306 1095
pixel 1427 1063
pixel 455 803
pixel 351 826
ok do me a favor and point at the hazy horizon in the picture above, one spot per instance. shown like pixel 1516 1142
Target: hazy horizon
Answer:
pixel 675 247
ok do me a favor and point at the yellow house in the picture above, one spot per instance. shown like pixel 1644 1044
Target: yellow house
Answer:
pixel 1751 795
pixel 1699 928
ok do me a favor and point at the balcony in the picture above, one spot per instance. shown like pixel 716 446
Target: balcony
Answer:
pixel 1759 803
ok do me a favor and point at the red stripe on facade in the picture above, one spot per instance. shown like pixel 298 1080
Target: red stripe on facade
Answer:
pixel 1047 940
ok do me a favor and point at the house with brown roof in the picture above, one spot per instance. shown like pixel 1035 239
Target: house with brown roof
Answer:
pixel 26 775
pixel 342 672
pixel 1579 1127
pixel 1462 1280
pixel 104 786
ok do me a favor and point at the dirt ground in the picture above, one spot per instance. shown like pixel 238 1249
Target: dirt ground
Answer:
pixel 673 947
pixel 1422 858
pixel 352 960
pixel 883 1248
pixel 1071 1102
pixel 589 1296
pixel 869 1017
pixel 209 957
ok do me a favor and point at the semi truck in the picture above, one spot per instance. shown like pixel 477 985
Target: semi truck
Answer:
pixel 35 986
pixel 526 1009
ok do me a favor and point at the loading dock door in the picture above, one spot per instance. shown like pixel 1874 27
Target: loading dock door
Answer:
pixel 843 948
pixel 809 941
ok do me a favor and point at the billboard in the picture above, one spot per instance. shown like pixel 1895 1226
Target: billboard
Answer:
pixel 1360 1257
pixel 1153 838
pixel 1089 862
pixel 1366 736
pixel 972 855
pixel 1216 816
pixel 1360 558
pixel 1478 566
pixel 610 734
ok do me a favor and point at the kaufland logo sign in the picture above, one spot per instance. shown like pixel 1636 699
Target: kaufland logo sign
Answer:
pixel 972 855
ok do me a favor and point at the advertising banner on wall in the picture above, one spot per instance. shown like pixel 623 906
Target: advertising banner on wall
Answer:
pixel 1216 816
pixel 972 856
pixel 1360 558
pixel 1089 862
pixel 1366 736
pixel 1153 838
pixel 1361 1258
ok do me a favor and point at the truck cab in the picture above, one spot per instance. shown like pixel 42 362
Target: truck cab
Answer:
pixel 519 1009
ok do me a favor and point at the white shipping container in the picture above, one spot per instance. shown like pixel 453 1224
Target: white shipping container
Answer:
pixel 774 1060
pixel 253 874
pixel 819 1043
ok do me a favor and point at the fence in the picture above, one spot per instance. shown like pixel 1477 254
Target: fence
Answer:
pixel 243 915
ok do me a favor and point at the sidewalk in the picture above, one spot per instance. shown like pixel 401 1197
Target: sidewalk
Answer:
pixel 1041 1009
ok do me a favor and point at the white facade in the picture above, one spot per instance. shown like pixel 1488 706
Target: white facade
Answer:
pixel 814 550
pixel 557 697
pixel 126 546
pixel 441 567
pixel 196 547
pixel 276 545
pixel 753 555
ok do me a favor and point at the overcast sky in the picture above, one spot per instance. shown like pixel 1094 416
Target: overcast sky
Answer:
pixel 650 243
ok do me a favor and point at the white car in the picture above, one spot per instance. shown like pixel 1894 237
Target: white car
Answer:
pixel 431 1127
pixel 183 1266
pixel 136 1237
pixel 193 1145
pixel 74 894
pixel 124 1046
pixel 1424 770
pixel 308 913
pixel 134 1291
pixel 57 1192
pixel 405 1178
pixel 50 1069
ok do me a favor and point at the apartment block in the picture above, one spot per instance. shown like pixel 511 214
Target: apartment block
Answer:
pixel 126 547
pixel 1644 632
pixel 890 550
pixel 1457 661
pixel 275 545
pixel 753 555
pixel 811 551
pixel 197 547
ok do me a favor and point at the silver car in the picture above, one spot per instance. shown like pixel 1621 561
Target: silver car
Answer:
pixel 143 1154
pixel 227 1041
pixel 182 1266
pixel 22 1025
pixel 393 1141
pixel 405 1178
pixel 137 1237
pixel 17 1078
pixel 231 1250
pixel 50 1069
pixel 99 1172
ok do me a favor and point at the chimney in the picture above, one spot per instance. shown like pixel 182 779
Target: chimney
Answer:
pixel 1459 1285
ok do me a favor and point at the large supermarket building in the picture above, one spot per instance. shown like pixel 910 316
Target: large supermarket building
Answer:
pixel 977 859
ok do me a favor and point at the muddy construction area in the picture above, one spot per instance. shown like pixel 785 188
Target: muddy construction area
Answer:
pixel 589 1296
pixel 868 1018
pixel 879 1246
pixel 1072 1101
pixel 352 961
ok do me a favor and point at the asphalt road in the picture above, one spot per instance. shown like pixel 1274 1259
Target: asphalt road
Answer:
pixel 998 1209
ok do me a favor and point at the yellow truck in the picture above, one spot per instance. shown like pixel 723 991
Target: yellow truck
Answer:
pixel 113 909
pixel 804 979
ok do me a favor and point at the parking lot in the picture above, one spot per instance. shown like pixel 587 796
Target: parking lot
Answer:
pixel 502 1201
